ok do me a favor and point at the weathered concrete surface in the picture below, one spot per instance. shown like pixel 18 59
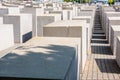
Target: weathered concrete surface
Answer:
pixel 7 37
pixel 44 58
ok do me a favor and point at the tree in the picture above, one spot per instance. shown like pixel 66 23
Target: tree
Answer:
pixel 87 1
pixel 111 2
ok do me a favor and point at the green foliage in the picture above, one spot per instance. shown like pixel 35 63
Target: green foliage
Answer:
pixel 68 0
pixel 87 1
pixel 78 1
pixel 111 2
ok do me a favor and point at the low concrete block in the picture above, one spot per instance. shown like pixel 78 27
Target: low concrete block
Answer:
pixel 7 37
pixel 70 29
pixel 44 58
pixel 22 26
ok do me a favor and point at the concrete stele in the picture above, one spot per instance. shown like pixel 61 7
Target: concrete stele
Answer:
pixel 7 37
pixel 35 12
pixel 115 31
pixel 22 24
pixel 45 19
pixel 72 29
pixel 111 21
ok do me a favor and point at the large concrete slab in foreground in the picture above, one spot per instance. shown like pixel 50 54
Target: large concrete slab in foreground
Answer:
pixel 43 58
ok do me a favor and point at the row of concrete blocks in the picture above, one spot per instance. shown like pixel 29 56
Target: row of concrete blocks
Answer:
pixel 111 26
pixel 24 24
pixel 36 22
pixel 73 33
pixel 80 29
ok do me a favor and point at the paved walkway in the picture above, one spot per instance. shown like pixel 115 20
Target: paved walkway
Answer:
pixel 101 64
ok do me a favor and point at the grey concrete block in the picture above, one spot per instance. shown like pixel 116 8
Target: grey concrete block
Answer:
pixel 67 14
pixel 70 29
pixel 105 20
pixel 111 21
pixel 35 12
pixel 22 26
pixel 44 20
pixel 55 31
pixel 103 11
pixel 3 11
pixel 115 31
pixel 57 12
pixel 90 25
pixel 57 58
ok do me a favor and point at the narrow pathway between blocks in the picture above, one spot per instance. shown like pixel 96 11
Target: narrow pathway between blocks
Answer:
pixel 100 64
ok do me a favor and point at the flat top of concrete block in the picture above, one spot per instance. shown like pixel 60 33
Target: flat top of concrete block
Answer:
pixel 56 11
pixel 114 18
pixel 6 25
pixel 82 17
pixel 3 7
pixel 108 8
pixel 68 23
pixel 49 14
pixel 48 8
pixel 40 57
pixel 18 14
pixel 112 12
pixel 109 11
pixel 113 15
pixel 115 27
pixel 32 7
